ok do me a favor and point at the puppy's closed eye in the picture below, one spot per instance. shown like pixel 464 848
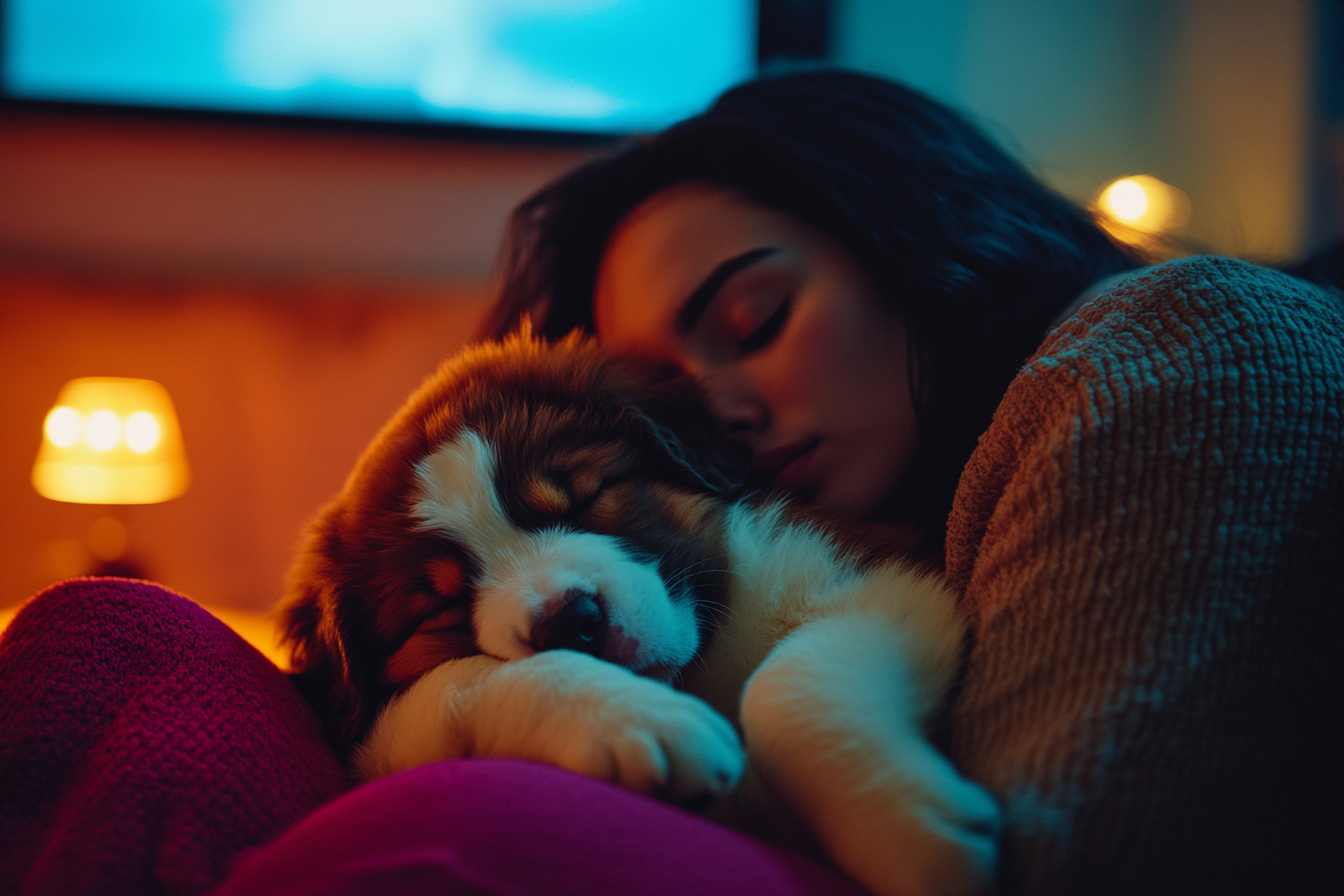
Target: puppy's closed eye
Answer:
pixel 544 495
pixel 607 509
pixel 570 487
pixel 584 486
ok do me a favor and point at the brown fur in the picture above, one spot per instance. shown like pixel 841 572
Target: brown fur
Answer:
pixel 374 602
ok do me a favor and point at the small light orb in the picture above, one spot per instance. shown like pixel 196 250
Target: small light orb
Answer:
pixel 142 432
pixel 62 426
pixel 1126 199
pixel 108 538
pixel 1140 208
pixel 103 430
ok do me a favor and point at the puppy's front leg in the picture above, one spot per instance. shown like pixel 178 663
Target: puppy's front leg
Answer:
pixel 831 720
pixel 563 708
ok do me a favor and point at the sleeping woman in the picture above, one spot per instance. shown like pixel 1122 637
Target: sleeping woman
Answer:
pixel 1134 475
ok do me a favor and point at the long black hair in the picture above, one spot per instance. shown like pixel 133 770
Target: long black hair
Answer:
pixel 974 254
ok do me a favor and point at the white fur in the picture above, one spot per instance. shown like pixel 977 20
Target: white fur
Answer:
pixel 524 574
pixel 829 671
pixel 563 708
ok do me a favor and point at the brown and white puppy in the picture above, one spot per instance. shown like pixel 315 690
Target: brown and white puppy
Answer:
pixel 536 558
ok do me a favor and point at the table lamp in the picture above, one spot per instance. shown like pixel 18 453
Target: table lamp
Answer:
pixel 111 440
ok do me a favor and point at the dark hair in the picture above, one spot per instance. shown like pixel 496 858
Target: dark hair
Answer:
pixel 975 254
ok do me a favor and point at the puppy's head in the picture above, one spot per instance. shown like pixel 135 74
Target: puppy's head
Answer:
pixel 527 497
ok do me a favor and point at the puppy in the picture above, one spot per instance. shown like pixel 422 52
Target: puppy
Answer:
pixel 539 557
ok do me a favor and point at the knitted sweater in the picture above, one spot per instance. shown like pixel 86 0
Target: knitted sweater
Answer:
pixel 1150 539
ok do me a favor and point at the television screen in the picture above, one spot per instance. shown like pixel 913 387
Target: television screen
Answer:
pixel 586 66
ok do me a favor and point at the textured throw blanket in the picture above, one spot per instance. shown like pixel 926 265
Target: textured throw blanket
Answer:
pixel 146 748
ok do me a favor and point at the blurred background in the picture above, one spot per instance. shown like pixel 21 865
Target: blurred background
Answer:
pixel 286 211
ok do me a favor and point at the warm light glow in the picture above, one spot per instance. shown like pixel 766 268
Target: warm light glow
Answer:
pixel 111 441
pixel 63 426
pixel 102 430
pixel 108 538
pixel 142 432
pixel 1125 199
pixel 1136 209
pixel 258 629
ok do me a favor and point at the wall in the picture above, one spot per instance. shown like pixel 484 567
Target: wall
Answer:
pixel 288 287
pixel 218 200
pixel 1212 96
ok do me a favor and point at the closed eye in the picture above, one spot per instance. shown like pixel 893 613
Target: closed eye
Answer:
pixel 583 505
pixel 606 512
pixel 768 330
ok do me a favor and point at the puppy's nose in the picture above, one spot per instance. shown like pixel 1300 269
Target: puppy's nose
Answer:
pixel 579 625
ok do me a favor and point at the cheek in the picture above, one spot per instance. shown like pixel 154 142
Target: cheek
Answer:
pixel 825 362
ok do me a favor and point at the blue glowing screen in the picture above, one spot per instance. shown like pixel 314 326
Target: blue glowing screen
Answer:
pixel 571 65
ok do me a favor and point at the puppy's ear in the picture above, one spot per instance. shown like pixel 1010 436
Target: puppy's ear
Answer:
pixel 704 465
pixel 672 408
pixel 320 661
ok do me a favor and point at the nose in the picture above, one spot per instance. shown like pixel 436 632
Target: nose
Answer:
pixel 737 409
pixel 581 624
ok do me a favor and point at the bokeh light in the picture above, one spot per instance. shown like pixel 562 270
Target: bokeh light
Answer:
pixel 62 426
pixel 103 430
pixel 1141 211
pixel 142 432
pixel 108 538
pixel 1125 199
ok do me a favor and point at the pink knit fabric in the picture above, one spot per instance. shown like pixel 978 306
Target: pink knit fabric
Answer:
pixel 146 748
pixel 505 827
pixel 144 745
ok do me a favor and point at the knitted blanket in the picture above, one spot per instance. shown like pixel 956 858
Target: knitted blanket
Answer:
pixel 1151 541
pixel 144 747
pixel 147 749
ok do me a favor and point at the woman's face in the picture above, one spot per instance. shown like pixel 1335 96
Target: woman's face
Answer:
pixel 800 360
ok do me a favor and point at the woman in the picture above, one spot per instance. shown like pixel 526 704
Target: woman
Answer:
pixel 1147 535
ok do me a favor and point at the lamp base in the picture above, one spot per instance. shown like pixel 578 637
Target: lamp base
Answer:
pixel 121 568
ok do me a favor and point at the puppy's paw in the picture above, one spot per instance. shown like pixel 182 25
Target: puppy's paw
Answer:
pixel 918 827
pixel 951 832
pixel 655 740
pixel 602 720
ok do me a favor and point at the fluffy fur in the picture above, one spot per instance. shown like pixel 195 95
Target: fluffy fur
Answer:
pixel 540 545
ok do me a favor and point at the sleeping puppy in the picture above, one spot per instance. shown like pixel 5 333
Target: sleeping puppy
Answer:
pixel 538 558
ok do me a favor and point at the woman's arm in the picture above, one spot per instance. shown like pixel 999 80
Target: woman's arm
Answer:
pixel 1150 539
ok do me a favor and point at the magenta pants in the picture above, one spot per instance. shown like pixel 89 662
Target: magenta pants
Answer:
pixel 498 826
pixel 146 748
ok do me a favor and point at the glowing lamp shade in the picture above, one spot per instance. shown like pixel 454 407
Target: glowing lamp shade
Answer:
pixel 111 440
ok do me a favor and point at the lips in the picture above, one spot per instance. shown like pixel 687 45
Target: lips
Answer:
pixel 783 468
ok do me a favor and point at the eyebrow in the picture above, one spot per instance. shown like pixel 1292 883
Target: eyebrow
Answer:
pixel 699 300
